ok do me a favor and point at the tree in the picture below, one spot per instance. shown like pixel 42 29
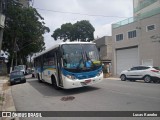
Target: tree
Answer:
pixel 80 31
pixel 57 34
pixel 84 31
pixel 64 33
pixel 24 28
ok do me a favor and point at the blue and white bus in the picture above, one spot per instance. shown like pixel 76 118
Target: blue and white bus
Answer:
pixel 69 65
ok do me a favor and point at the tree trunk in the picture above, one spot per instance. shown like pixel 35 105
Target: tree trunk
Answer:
pixel 11 68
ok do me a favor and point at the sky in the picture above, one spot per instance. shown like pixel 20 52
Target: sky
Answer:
pixel 100 13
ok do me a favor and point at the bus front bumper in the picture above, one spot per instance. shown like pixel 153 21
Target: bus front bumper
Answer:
pixel 69 83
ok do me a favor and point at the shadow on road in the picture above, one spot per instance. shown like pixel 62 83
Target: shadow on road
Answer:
pixel 48 90
pixel 141 81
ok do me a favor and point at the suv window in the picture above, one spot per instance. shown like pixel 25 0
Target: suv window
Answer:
pixel 143 68
pixel 157 68
pixel 134 68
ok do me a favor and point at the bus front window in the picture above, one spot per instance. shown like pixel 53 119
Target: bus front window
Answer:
pixel 72 55
pixel 91 52
pixel 80 56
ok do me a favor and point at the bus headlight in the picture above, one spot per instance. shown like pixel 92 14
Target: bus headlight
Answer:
pixel 71 77
pixel 99 73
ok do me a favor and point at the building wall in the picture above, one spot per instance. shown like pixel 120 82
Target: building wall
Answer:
pixel 104 44
pixel 25 3
pixel 147 49
pixel 144 6
pixel 149 44
pixel 125 43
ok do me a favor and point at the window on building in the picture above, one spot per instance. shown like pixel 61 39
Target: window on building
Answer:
pixel 119 37
pixel 132 34
pixel 150 27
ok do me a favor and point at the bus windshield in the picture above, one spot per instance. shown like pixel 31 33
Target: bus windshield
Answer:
pixel 81 56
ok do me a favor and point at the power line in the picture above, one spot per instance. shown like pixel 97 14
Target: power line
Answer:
pixel 63 12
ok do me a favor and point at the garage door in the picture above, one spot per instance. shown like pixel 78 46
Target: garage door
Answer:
pixel 126 58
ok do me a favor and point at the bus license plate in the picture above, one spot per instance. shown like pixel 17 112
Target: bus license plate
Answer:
pixel 87 81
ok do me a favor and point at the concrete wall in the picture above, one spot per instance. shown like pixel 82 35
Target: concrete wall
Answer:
pixel 25 3
pixel 147 8
pixel 149 45
pixel 2 19
pixel 105 46
pixel 147 41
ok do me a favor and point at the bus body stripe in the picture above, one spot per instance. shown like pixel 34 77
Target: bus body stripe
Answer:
pixel 82 75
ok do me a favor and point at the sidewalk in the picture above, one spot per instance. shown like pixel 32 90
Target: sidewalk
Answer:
pixel 113 78
pixel 6 99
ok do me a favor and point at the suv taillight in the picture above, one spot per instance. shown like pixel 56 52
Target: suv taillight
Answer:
pixel 155 71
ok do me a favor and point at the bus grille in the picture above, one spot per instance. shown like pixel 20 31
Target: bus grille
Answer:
pixel 86 76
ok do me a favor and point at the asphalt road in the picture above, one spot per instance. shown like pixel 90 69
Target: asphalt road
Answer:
pixel 109 95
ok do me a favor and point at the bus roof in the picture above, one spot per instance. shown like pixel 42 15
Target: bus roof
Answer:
pixel 59 44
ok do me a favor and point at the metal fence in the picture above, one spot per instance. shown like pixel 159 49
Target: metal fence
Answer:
pixel 144 4
pixel 134 19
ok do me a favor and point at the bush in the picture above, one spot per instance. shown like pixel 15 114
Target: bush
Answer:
pixel 105 69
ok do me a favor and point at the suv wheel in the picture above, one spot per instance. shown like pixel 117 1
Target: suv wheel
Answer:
pixel 123 77
pixel 147 79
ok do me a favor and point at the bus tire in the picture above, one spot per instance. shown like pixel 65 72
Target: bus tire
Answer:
pixel 54 83
pixel 40 81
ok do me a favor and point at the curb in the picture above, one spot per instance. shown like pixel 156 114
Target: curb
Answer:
pixel 8 103
pixel 113 78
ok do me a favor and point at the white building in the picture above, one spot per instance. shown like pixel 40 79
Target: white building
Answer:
pixel 136 40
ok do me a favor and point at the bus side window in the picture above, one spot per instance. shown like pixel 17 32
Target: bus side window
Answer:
pixel 45 61
pixel 37 62
pixel 49 59
pixel 51 62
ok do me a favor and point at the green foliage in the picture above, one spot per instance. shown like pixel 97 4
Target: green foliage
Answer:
pixel 24 28
pixel 84 31
pixel 80 31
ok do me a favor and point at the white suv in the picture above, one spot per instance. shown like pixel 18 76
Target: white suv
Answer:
pixel 146 73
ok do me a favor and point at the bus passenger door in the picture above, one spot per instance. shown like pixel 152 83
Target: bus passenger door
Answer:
pixel 58 68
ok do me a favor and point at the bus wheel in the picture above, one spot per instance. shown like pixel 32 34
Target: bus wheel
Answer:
pixel 39 79
pixel 53 79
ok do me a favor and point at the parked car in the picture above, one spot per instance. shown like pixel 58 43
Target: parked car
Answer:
pixel 21 68
pixel 17 77
pixel 146 73
pixel 28 71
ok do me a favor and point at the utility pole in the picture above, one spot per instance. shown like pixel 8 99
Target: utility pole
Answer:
pixel 16 50
pixel 11 68
pixel 2 21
